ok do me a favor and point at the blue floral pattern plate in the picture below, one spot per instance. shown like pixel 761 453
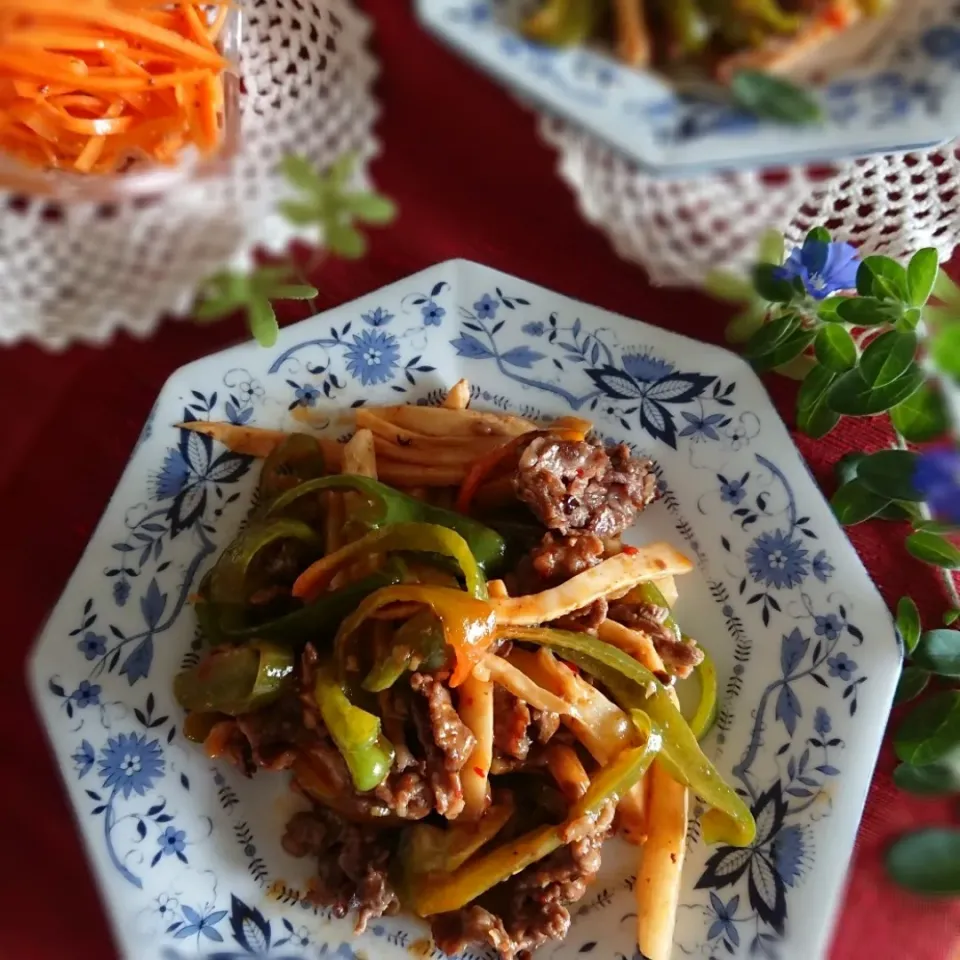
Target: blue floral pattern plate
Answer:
pixel 187 851
pixel 901 93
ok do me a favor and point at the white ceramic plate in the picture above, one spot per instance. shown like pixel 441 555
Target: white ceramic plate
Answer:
pixel 187 852
pixel 894 86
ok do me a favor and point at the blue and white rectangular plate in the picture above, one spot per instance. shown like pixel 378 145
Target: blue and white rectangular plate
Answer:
pixel 187 852
pixel 894 86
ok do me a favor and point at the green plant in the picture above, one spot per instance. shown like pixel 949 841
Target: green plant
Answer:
pixel 324 201
pixel 867 338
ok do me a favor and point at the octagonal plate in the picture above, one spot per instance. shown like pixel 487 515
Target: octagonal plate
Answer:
pixel 895 86
pixel 187 852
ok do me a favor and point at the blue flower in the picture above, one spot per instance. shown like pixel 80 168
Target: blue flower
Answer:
pixel 822 567
pixel 777 560
pixel 83 758
pixel 92 645
pixel 373 356
pixel 841 666
pixel 724 925
pixel 937 477
pixel 788 850
pixel 130 764
pixel 701 426
pixel 821 722
pixel 824 268
pixel 486 307
pixel 433 313
pixel 174 475
pixel 377 318
pixel 732 491
pixel 172 841
pixel 306 395
pixel 645 367
pixel 87 694
pixel 829 626
pixel 534 329
pixel 197 924
pixel 237 416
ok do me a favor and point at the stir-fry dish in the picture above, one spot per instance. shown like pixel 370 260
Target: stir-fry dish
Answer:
pixel 722 36
pixel 438 629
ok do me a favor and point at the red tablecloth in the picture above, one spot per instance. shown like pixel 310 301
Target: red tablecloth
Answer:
pixel 472 180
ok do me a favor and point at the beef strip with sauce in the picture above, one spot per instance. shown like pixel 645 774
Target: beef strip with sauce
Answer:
pixel 679 656
pixel 579 486
pixel 530 909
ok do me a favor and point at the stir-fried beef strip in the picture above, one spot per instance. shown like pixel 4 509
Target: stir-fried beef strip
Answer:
pixel 578 486
pixel 531 908
pixel 511 718
pixel 352 861
pixel 679 656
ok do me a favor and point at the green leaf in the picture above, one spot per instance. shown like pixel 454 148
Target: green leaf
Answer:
pixel 922 416
pixel 299 172
pixel 214 309
pixel 743 326
pixel 819 235
pixel 301 214
pixel 770 286
pixel 774 98
pixel 939 653
pixel 770 334
pixel 370 207
pixel 345 241
pixel 729 287
pixel 908 623
pixel 294 291
pixel 853 503
pixel 896 510
pixel 945 290
pixel 263 322
pixel 913 681
pixel 945 350
pixel 888 357
pixel 835 348
pixel 884 278
pixel 931 730
pixel 785 351
pixel 934 549
pixel 847 466
pixel 927 861
pixel 951 617
pixel 922 275
pixel 867 311
pixel 814 417
pixel 935 779
pixel 889 473
pixel 772 247
pixel 852 395
pixel 827 311
pixel 797 368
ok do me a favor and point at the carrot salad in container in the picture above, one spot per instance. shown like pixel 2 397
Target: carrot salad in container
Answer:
pixel 106 89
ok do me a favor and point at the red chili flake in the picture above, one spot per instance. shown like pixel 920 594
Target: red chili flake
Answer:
pixel 572 667
pixel 478 771
pixel 837 18
pixel 468 701
pixel 580 471
pixel 630 551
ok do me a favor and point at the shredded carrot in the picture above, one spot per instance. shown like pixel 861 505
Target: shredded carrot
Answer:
pixel 92 86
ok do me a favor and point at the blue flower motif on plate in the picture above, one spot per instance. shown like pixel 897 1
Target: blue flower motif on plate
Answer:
pixel 778 560
pixel 130 763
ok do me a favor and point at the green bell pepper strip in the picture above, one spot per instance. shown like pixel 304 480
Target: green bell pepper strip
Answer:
pixel 705 714
pixel 229 580
pixel 235 680
pixel 430 849
pixel 730 820
pixel 317 621
pixel 564 23
pixel 432 893
pixel 298 459
pixel 413 537
pixel 486 545
pixel 420 641
pixel 367 752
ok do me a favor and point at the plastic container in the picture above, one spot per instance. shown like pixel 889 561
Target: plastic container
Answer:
pixel 143 178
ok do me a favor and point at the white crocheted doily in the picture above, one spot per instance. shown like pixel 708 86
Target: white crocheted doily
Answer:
pixel 73 273
pixel 680 230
